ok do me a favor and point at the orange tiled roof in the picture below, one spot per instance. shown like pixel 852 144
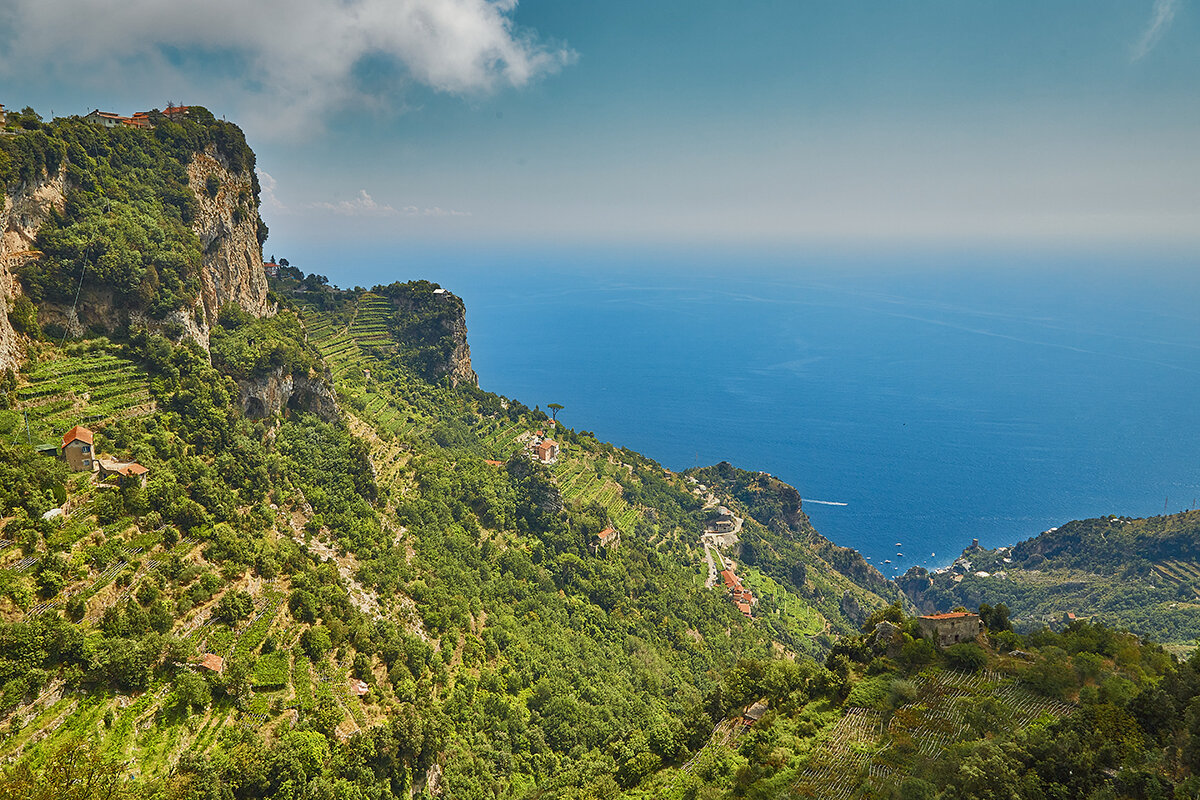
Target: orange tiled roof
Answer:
pixel 950 615
pixel 212 661
pixel 78 432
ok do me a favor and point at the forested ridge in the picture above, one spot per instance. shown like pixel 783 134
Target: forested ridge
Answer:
pixel 400 600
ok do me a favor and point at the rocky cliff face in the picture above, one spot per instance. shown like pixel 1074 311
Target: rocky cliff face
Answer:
pixel 231 268
pixel 458 366
pixel 21 216
pixel 227 226
pixel 430 327
pixel 262 397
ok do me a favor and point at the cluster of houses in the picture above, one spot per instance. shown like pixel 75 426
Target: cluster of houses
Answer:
pixel 140 119
pixel 79 452
pixel 742 597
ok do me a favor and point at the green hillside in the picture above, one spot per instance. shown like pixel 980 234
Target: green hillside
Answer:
pixel 1138 574
pixel 404 597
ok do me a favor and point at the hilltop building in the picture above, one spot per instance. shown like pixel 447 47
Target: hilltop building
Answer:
pixel 951 628
pixel 140 119
pixel 3 116
pixel 77 449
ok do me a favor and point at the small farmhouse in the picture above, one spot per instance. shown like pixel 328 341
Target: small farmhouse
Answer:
pixel 951 628
pixel 546 451
pixel 123 471
pixel 608 538
pixel 77 449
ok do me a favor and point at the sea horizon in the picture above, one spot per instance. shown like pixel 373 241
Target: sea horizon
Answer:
pixel 925 402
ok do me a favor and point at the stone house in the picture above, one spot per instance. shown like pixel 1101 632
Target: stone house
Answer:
pixel 77 450
pixel 951 628
pixel 546 451
pixel 124 471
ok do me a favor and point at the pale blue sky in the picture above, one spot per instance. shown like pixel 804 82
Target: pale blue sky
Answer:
pixel 786 124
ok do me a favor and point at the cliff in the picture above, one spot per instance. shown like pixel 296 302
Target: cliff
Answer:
pixel 281 389
pixel 154 229
pixel 429 324
pixel 227 226
pixel 21 217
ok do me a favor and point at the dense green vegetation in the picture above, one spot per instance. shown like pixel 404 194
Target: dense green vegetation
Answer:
pixel 397 600
pixel 129 207
pixel 1140 574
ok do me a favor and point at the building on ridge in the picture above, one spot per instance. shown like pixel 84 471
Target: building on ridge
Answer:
pixel 951 628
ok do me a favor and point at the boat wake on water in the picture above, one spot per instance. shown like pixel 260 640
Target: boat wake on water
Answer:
pixel 822 502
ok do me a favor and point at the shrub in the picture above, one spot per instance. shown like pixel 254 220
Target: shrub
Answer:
pixel 966 655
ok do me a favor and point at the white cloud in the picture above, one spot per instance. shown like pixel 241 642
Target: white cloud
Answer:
pixel 288 61
pixel 267 194
pixel 364 205
pixel 1160 20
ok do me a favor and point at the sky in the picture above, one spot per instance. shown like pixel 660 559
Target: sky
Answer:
pixel 781 123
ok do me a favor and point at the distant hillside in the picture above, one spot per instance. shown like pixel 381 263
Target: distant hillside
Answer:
pixel 1140 574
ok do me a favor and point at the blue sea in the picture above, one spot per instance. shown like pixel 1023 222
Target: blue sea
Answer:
pixel 916 402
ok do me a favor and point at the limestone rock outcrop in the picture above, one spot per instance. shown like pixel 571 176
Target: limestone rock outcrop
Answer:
pixel 21 216
pixel 227 226
pixel 270 394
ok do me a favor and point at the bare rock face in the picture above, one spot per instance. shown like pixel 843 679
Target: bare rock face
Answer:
pixel 263 397
pixel 20 218
pixel 459 367
pixel 227 226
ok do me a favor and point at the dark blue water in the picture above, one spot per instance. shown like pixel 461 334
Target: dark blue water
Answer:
pixel 940 400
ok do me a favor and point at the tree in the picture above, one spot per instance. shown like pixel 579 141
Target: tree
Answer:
pixel 234 605
pixel 75 771
pixel 554 409
pixel 191 691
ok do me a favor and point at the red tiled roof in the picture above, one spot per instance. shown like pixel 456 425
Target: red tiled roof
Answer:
pixel 744 608
pixel 78 432
pixel 729 578
pixel 133 469
pixel 493 462
pixel 607 534
pixel 950 615
pixel 212 661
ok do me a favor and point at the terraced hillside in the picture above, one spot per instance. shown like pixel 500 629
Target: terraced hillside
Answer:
pixel 875 742
pixel 400 414
pixel 86 385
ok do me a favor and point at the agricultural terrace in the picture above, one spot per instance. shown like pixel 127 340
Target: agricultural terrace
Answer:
pixel 86 384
